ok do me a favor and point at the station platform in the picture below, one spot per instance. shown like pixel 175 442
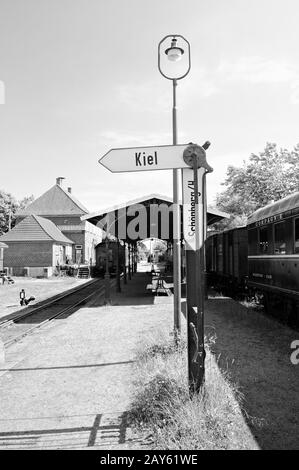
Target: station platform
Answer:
pixel 69 385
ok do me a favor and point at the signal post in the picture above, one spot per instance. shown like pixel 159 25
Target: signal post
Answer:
pixel 194 216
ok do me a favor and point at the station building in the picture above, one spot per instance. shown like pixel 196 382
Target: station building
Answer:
pixel 35 247
pixel 2 248
pixel 65 211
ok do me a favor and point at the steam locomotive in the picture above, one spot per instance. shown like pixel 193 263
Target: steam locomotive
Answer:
pixel 261 259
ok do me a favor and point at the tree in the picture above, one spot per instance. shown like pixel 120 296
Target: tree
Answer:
pixel 142 250
pixel 266 177
pixel 8 208
pixel 159 245
pixel 23 203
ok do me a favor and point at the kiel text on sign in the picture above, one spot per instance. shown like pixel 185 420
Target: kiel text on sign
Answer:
pixel 143 160
pixel 164 157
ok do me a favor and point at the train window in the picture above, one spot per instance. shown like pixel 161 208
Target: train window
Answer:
pixel 296 235
pixel 252 241
pixel 264 240
pixel 279 238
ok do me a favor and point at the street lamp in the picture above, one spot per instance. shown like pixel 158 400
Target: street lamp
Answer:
pixel 174 53
pixel 107 273
pixel 174 63
pixel 151 250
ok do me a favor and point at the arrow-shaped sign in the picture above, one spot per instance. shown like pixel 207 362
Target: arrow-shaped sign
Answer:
pixel 164 157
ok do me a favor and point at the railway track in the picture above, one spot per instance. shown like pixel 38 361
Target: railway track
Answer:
pixel 16 328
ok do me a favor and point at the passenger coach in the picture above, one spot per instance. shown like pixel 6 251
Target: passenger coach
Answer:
pixel 226 261
pixel 273 256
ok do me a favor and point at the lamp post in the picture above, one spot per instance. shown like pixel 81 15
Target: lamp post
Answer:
pixel 173 47
pixel 151 249
pixel 107 273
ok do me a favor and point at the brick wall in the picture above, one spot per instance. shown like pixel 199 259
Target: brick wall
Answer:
pixel 20 254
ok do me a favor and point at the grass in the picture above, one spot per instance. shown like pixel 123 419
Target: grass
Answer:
pixel 164 411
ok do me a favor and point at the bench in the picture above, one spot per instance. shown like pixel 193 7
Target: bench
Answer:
pixel 156 276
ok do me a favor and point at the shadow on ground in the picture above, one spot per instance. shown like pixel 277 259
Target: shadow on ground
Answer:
pixel 107 431
pixel 255 351
pixel 139 290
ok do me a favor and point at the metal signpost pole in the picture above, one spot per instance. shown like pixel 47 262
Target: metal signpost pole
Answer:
pixel 194 215
pixel 125 263
pixel 118 288
pixel 176 229
pixel 129 261
pixel 204 278
pixel 199 327
pixel 107 274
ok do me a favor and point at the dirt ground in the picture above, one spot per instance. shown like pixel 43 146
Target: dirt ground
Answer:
pixel 41 289
pixel 256 351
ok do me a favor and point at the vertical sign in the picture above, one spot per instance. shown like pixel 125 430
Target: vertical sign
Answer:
pixel 193 218
pixel 189 206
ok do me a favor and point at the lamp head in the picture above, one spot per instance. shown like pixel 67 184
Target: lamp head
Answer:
pixel 174 59
pixel 174 53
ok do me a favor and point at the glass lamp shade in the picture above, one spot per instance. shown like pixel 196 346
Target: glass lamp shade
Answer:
pixel 174 54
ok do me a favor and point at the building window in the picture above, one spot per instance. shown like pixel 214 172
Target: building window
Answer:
pixel 279 239
pixel 264 241
pixel 296 235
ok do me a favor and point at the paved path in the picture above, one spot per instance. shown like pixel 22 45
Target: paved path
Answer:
pixel 69 385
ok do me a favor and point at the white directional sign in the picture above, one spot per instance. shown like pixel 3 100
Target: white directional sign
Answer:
pixel 165 157
pixel 189 207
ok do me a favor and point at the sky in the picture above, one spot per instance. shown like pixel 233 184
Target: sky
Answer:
pixel 78 78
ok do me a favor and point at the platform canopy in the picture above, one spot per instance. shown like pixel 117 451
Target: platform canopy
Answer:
pixel 148 216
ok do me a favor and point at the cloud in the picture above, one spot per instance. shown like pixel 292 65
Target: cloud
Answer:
pixel 258 70
pixel 295 91
pixel 147 97
pixel 2 92
pixel 255 70
pixel 143 96
pixel 114 138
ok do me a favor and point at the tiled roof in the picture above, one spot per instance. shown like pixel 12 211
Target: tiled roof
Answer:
pixel 55 201
pixel 35 228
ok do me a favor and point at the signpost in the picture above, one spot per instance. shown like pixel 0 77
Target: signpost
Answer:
pixel 194 215
pixel 164 157
pixel 192 158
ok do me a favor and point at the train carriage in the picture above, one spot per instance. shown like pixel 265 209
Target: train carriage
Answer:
pixel 261 258
pixel 115 251
pixel 226 255
pixel 273 257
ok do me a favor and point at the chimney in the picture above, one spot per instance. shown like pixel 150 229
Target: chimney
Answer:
pixel 59 180
pixel 69 190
